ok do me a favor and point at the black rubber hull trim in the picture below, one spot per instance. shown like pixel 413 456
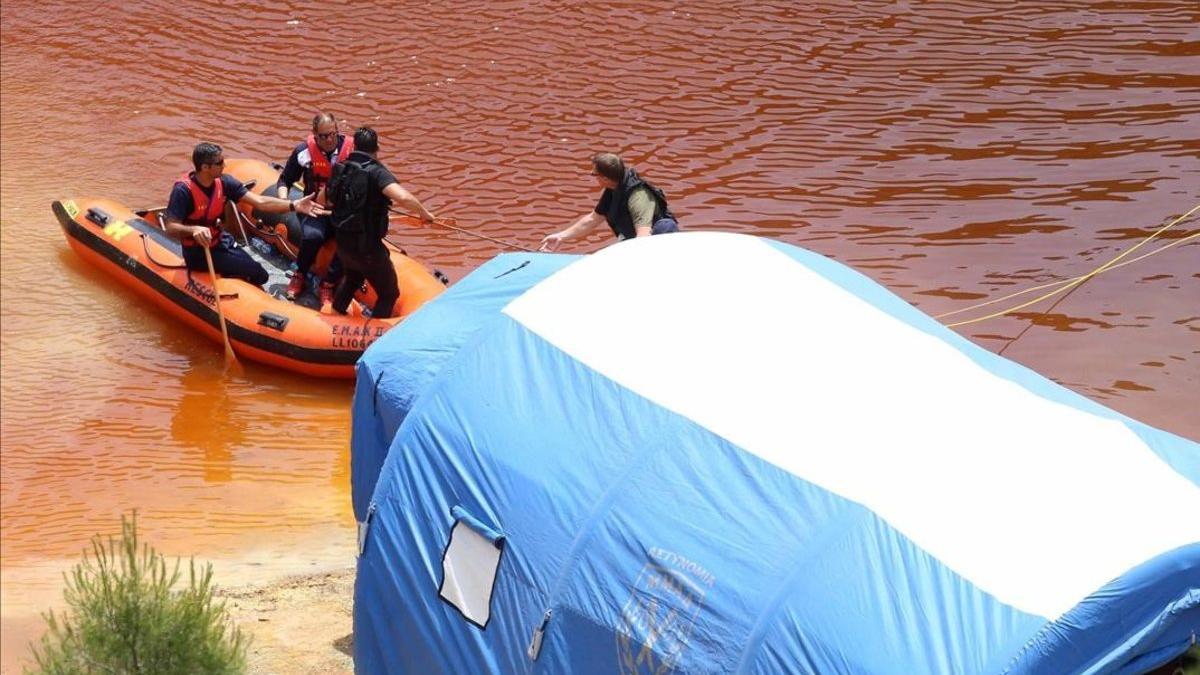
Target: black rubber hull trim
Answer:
pixel 147 276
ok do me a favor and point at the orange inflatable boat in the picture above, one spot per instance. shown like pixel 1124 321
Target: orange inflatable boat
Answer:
pixel 263 325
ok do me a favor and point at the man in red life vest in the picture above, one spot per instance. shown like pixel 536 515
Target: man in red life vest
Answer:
pixel 313 160
pixel 197 203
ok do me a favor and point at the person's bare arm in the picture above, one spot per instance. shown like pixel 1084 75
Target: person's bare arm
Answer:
pixel 398 195
pixel 203 236
pixel 178 230
pixel 289 174
pixel 308 206
pixel 581 227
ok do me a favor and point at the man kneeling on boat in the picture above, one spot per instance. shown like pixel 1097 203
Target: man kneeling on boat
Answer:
pixel 196 205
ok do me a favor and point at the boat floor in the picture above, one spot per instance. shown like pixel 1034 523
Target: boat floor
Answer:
pixel 279 270
pixel 278 266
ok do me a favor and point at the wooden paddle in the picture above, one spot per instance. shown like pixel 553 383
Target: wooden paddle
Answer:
pixel 230 358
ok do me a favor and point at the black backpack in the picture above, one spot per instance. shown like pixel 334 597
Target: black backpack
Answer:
pixel 348 191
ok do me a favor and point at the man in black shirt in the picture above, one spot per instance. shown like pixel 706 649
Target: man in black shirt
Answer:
pixel 630 205
pixel 313 160
pixel 196 205
pixel 362 251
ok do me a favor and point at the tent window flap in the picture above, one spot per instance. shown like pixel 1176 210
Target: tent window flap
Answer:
pixel 469 567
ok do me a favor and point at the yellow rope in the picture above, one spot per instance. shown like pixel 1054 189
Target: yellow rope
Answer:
pixel 1071 283
pixel 1052 284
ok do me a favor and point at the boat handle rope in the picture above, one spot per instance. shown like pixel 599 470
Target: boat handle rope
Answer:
pixel 150 256
pixel 1068 284
pixel 262 232
pixel 279 238
pixel 237 216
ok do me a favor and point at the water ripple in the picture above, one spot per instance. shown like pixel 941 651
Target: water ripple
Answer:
pixel 947 149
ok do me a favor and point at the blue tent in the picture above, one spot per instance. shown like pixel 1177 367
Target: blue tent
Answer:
pixel 714 453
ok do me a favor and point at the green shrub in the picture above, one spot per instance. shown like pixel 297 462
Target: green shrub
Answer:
pixel 1189 663
pixel 126 617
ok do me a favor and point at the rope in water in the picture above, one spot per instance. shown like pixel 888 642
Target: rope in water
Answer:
pixel 1068 284
pixel 1053 284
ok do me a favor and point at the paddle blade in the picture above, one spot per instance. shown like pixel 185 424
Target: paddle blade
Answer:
pixel 231 361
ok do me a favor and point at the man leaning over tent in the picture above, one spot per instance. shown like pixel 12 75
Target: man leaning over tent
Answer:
pixel 630 205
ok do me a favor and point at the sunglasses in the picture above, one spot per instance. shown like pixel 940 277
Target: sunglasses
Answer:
pixel 220 163
pixel 332 134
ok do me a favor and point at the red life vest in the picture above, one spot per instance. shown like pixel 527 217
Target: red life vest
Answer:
pixel 321 169
pixel 204 212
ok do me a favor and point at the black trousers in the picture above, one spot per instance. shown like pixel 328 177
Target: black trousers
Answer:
pixel 228 261
pixel 368 261
pixel 314 232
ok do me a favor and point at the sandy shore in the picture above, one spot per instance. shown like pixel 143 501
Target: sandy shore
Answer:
pixel 293 596
pixel 300 624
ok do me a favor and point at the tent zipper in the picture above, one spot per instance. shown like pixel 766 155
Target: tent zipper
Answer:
pixel 363 527
pixel 535 644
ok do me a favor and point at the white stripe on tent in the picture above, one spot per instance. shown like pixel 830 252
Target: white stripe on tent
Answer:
pixel 1035 502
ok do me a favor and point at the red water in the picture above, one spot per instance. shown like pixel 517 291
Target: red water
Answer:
pixel 953 151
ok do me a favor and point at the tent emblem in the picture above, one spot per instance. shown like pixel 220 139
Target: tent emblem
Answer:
pixel 656 622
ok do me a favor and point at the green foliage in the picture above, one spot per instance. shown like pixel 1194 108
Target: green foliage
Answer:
pixel 1189 663
pixel 126 616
